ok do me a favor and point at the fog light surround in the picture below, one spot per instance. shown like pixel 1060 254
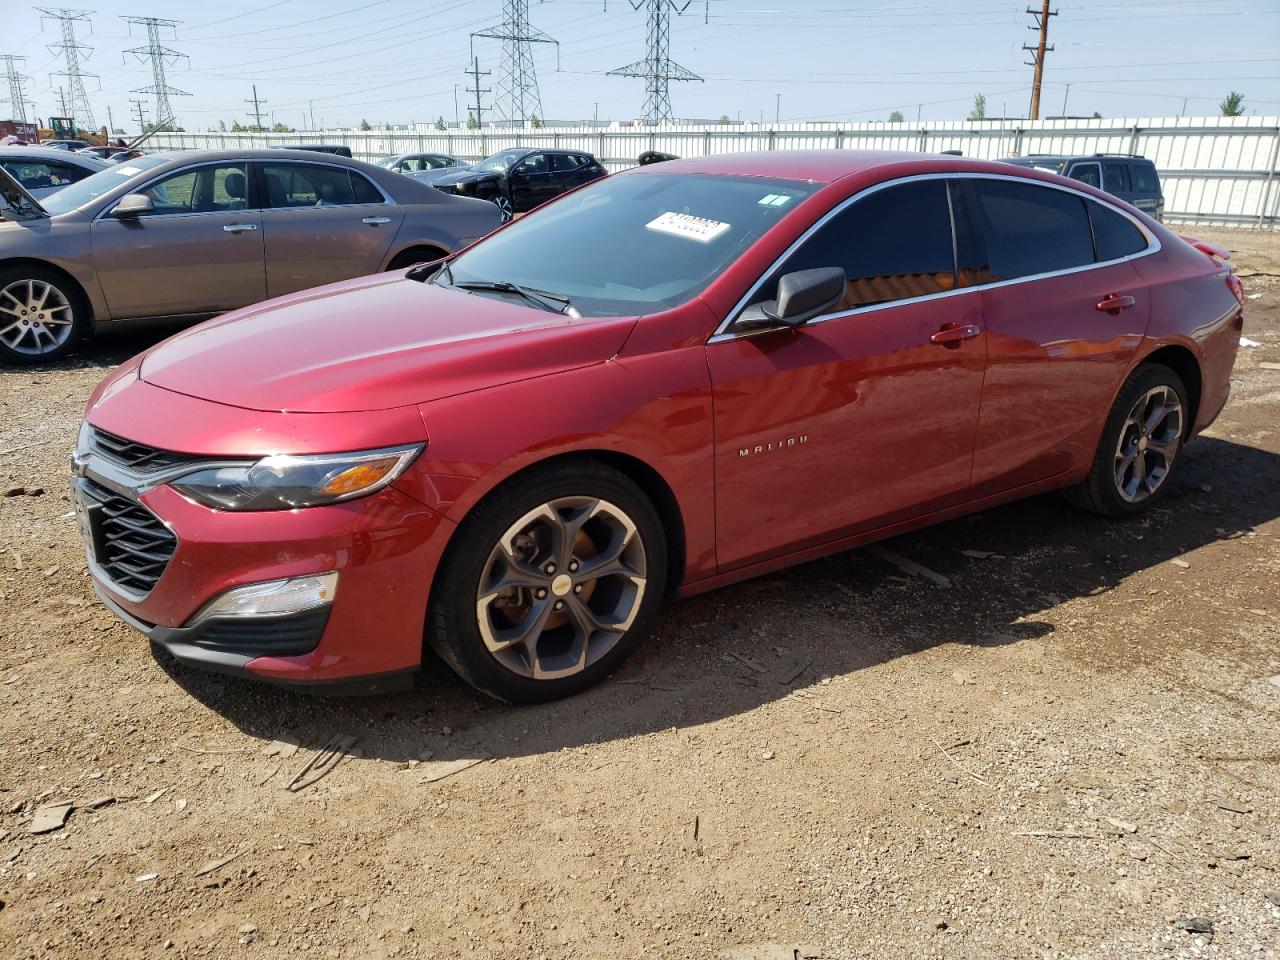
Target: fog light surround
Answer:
pixel 272 598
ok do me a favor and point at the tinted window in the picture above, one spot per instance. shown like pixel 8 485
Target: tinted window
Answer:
pixel 314 185
pixel 1114 235
pixel 534 163
pixel 634 243
pixel 1087 173
pixel 41 174
pixel 1114 179
pixel 212 189
pixel 100 183
pixel 1144 178
pixel 1031 229
pixel 562 162
pixel 893 244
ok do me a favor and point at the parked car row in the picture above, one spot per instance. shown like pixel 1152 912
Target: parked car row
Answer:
pixel 688 374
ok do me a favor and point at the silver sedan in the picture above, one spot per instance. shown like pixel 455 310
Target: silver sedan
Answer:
pixel 186 236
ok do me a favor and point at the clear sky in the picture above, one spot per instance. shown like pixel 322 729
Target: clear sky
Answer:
pixel 398 61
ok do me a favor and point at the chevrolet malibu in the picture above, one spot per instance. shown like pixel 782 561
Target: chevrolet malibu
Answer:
pixel 670 380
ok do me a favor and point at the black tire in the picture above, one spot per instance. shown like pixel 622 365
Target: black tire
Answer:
pixel 1100 492
pixel 453 629
pixel 408 258
pixel 12 349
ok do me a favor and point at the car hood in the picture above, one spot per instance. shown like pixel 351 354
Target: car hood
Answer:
pixel 465 176
pixel 432 176
pixel 373 344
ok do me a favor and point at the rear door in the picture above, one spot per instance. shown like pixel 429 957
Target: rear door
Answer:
pixel 198 252
pixel 322 223
pixel 1064 311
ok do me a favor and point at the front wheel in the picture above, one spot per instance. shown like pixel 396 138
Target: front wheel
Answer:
pixel 41 315
pixel 550 583
pixel 1140 443
pixel 504 207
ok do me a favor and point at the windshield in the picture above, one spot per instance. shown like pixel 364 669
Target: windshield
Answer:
pixel 97 185
pixel 634 243
pixel 499 162
pixel 387 162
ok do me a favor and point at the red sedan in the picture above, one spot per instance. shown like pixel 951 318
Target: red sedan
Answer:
pixel 675 378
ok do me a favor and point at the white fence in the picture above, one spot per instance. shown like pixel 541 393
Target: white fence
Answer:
pixel 1216 170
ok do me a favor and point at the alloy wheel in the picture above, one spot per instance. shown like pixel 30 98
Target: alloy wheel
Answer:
pixel 1148 443
pixel 35 317
pixel 504 207
pixel 562 586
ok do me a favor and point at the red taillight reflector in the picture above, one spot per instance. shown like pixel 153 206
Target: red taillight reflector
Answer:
pixel 1236 288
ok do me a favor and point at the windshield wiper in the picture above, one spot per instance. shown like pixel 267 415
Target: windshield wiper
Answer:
pixel 555 302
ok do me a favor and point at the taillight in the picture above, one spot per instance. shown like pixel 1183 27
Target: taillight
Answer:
pixel 1236 288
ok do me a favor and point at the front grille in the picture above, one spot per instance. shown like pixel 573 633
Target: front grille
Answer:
pixel 131 545
pixel 137 456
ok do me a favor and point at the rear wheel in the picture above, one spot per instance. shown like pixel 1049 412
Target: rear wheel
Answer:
pixel 550 583
pixel 1140 444
pixel 42 315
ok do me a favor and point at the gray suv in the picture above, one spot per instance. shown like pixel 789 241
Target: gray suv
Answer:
pixel 185 236
pixel 1130 177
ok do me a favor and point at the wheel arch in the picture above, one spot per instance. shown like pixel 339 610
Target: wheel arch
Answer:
pixel 1182 361
pixel 77 287
pixel 423 252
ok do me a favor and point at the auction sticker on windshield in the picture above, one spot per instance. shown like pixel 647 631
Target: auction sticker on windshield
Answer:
pixel 688 226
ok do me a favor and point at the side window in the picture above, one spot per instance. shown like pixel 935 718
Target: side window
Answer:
pixel 537 163
pixel 893 244
pixel 1114 235
pixel 563 162
pixel 1087 173
pixel 1115 178
pixel 1144 177
pixel 365 192
pixel 307 185
pixel 1031 229
pixel 210 189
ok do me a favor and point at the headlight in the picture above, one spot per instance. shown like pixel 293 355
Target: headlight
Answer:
pixel 285 482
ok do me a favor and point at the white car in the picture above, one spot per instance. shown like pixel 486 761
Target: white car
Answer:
pixel 42 170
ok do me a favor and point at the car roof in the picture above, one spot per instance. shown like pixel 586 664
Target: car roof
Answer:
pixel 815 166
pixel 52 153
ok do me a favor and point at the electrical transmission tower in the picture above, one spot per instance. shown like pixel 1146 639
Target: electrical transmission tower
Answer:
pixel 475 73
pixel 1037 53
pixel 17 101
pixel 518 99
pixel 658 69
pixel 77 107
pixel 160 56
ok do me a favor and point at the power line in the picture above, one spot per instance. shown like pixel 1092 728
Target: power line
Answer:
pixel 160 56
pixel 518 98
pixel 1037 53
pixel 77 101
pixel 657 69
pixel 17 101
pixel 476 73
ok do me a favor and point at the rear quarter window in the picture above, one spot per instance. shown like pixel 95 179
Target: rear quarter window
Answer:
pixel 1114 235
pixel 1145 179
pixel 1031 229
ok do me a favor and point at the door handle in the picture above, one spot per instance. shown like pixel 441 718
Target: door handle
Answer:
pixel 374 221
pixel 953 334
pixel 1113 303
pixel 239 227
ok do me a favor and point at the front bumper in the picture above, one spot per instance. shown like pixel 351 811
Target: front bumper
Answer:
pixel 385 548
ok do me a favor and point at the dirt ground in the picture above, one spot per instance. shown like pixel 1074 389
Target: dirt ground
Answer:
pixel 1074 752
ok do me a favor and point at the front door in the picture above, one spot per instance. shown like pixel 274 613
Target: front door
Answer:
pixel 322 223
pixel 198 252
pixel 531 182
pixel 864 417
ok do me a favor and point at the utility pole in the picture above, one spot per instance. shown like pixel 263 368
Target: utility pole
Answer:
pixel 777 109
pixel 62 101
pixel 1038 51
pixel 257 107
pixel 160 56
pixel 77 105
pixel 311 109
pixel 518 98
pixel 476 73
pixel 142 120
pixel 17 100
pixel 111 124
pixel 1066 93
pixel 657 69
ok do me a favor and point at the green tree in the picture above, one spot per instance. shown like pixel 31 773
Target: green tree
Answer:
pixel 364 125
pixel 724 119
pixel 440 124
pixel 1233 106
pixel 472 123
pixel 222 126
pixel 895 117
pixel 1097 115
pixel 979 111
pixel 282 128
pixel 535 121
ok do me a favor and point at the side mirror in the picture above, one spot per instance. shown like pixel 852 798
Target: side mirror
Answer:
pixel 802 296
pixel 133 205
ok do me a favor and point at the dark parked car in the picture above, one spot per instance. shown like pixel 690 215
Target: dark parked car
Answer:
pixel 1127 176
pixel 520 179
pixel 337 149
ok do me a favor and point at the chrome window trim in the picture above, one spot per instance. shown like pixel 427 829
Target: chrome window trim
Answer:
pixel 103 213
pixel 725 332
pixel 386 197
